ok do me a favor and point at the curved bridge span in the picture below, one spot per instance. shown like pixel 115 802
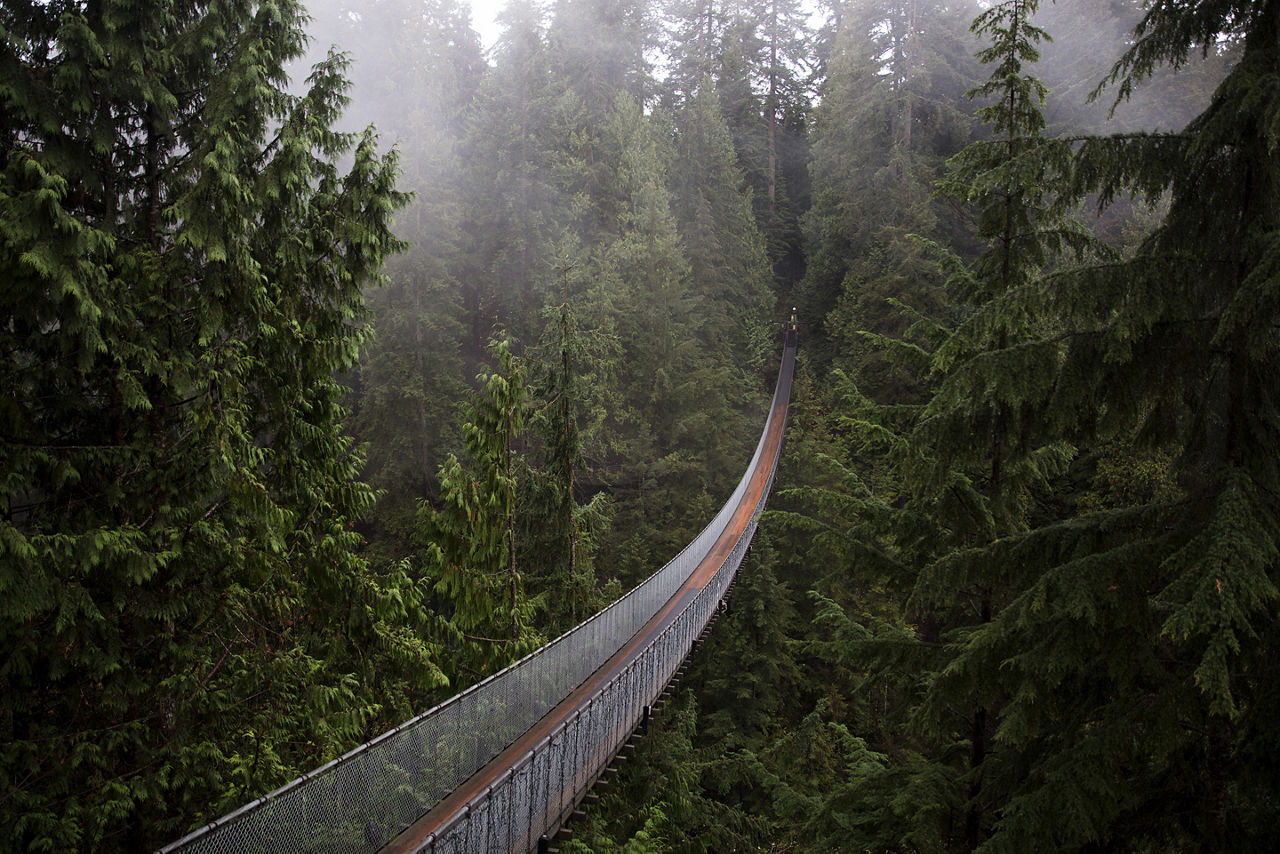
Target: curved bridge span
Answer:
pixel 506 761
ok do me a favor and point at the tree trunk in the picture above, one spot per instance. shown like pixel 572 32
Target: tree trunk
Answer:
pixel 977 755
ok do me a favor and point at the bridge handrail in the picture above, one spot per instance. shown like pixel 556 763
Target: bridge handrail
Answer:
pixel 670 646
pixel 520 802
pixel 322 810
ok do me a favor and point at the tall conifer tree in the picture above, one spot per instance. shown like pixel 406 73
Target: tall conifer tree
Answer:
pixel 562 533
pixel 971 460
pixel 417 68
pixel 977 457
pixel 1128 654
pixel 470 539
pixel 516 206
pixel 1138 652
pixel 873 181
pixel 729 265
pixel 184 622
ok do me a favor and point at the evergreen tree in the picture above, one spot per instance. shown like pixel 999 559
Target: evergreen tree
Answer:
pixel 784 37
pixel 729 266
pixel 783 72
pixel 517 208
pixel 740 54
pixel 185 620
pixel 577 200
pixel 694 39
pixel 417 69
pixel 561 534
pixel 1124 648
pixel 635 278
pixel 978 456
pixel 600 48
pixel 757 54
pixel 674 436
pixel 1089 37
pixel 971 460
pixel 1139 645
pixel 873 181
pixel 748 673
pixel 470 539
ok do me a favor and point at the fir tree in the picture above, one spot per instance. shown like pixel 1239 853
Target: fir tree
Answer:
pixel 1126 648
pixel 470 546
pixel 185 621
pixel 695 31
pixel 517 207
pixel 970 461
pixel 728 263
pixel 976 453
pixel 561 533
pixel 873 181
pixel 1138 650
pixel 418 70
pixel 601 47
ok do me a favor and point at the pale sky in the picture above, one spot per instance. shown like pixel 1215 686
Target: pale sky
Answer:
pixel 483 15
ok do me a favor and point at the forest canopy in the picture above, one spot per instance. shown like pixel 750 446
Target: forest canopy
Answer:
pixel 345 361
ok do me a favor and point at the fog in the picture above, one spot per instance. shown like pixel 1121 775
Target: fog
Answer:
pixel 484 19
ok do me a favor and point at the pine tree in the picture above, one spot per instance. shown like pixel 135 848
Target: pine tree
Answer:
pixel 418 68
pixel 757 55
pixel 517 208
pixel 740 54
pixel 185 621
pixel 980 457
pixel 968 463
pixel 783 72
pixel 729 265
pixel 674 436
pixel 748 673
pixel 694 36
pixel 601 48
pixel 1089 37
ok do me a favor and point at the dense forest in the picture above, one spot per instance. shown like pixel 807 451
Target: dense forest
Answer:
pixel 343 362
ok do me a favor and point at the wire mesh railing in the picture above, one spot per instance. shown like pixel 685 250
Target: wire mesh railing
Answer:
pixel 364 798
pixel 543 787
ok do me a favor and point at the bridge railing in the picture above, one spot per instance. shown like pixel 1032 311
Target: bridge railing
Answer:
pixel 361 800
pixel 541 789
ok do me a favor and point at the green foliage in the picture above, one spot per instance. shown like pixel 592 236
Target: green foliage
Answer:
pixel 1088 37
pixel 416 67
pixel 1017 589
pixel 1088 636
pixel 892 110
pixel 729 266
pixel 756 56
pixel 186 620
pixel 561 534
pixel 958 472
pixel 515 156
pixel 469 538
pixel 750 671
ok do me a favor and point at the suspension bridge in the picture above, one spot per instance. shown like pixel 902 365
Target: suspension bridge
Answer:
pixel 503 765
